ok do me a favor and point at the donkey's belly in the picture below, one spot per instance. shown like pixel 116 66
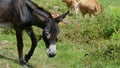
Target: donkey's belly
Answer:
pixel 5 25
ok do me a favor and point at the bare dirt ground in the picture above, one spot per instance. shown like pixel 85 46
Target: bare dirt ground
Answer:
pixel 3 44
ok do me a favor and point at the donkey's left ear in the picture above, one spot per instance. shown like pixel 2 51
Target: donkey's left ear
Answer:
pixel 61 17
pixel 40 17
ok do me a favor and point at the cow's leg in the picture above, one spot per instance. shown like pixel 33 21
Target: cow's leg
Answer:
pixel 76 8
pixel 90 14
pixel 34 43
pixel 83 15
pixel 20 46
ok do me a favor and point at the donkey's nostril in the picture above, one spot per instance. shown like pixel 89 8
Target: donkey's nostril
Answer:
pixel 51 53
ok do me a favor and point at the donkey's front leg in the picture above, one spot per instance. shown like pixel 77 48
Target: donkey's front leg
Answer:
pixel 30 33
pixel 20 46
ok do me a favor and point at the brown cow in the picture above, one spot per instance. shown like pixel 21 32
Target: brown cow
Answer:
pixel 89 6
pixel 72 4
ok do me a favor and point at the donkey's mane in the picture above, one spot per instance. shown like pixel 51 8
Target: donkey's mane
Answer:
pixel 38 9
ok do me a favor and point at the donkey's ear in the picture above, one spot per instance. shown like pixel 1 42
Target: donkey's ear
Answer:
pixel 40 17
pixel 61 17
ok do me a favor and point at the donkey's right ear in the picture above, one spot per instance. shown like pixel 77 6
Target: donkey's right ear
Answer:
pixel 40 17
pixel 61 17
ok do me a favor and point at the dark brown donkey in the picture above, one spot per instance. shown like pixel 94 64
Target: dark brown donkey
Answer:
pixel 21 15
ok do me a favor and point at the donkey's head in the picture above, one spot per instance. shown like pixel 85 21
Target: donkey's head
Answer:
pixel 51 31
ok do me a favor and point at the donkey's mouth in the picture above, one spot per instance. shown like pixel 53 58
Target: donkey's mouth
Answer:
pixel 51 55
pixel 51 51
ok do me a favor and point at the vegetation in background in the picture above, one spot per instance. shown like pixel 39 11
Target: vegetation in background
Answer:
pixel 82 43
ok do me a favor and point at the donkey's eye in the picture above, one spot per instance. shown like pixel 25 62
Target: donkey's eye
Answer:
pixel 47 34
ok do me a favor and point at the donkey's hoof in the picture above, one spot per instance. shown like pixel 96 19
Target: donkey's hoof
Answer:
pixel 22 61
pixel 25 66
pixel 26 58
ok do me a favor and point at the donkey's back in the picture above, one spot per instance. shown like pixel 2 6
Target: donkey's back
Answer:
pixel 6 12
pixel 13 12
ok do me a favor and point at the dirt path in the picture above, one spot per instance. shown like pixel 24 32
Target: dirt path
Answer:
pixel 3 43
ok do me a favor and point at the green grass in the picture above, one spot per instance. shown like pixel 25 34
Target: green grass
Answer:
pixel 66 53
pixel 82 43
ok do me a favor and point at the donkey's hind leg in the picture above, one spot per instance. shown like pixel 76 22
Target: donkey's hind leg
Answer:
pixel 31 34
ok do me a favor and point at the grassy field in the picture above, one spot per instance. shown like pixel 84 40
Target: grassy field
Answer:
pixel 83 43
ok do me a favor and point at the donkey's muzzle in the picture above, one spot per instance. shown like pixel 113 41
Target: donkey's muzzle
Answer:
pixel 51 55
pixel 51 51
